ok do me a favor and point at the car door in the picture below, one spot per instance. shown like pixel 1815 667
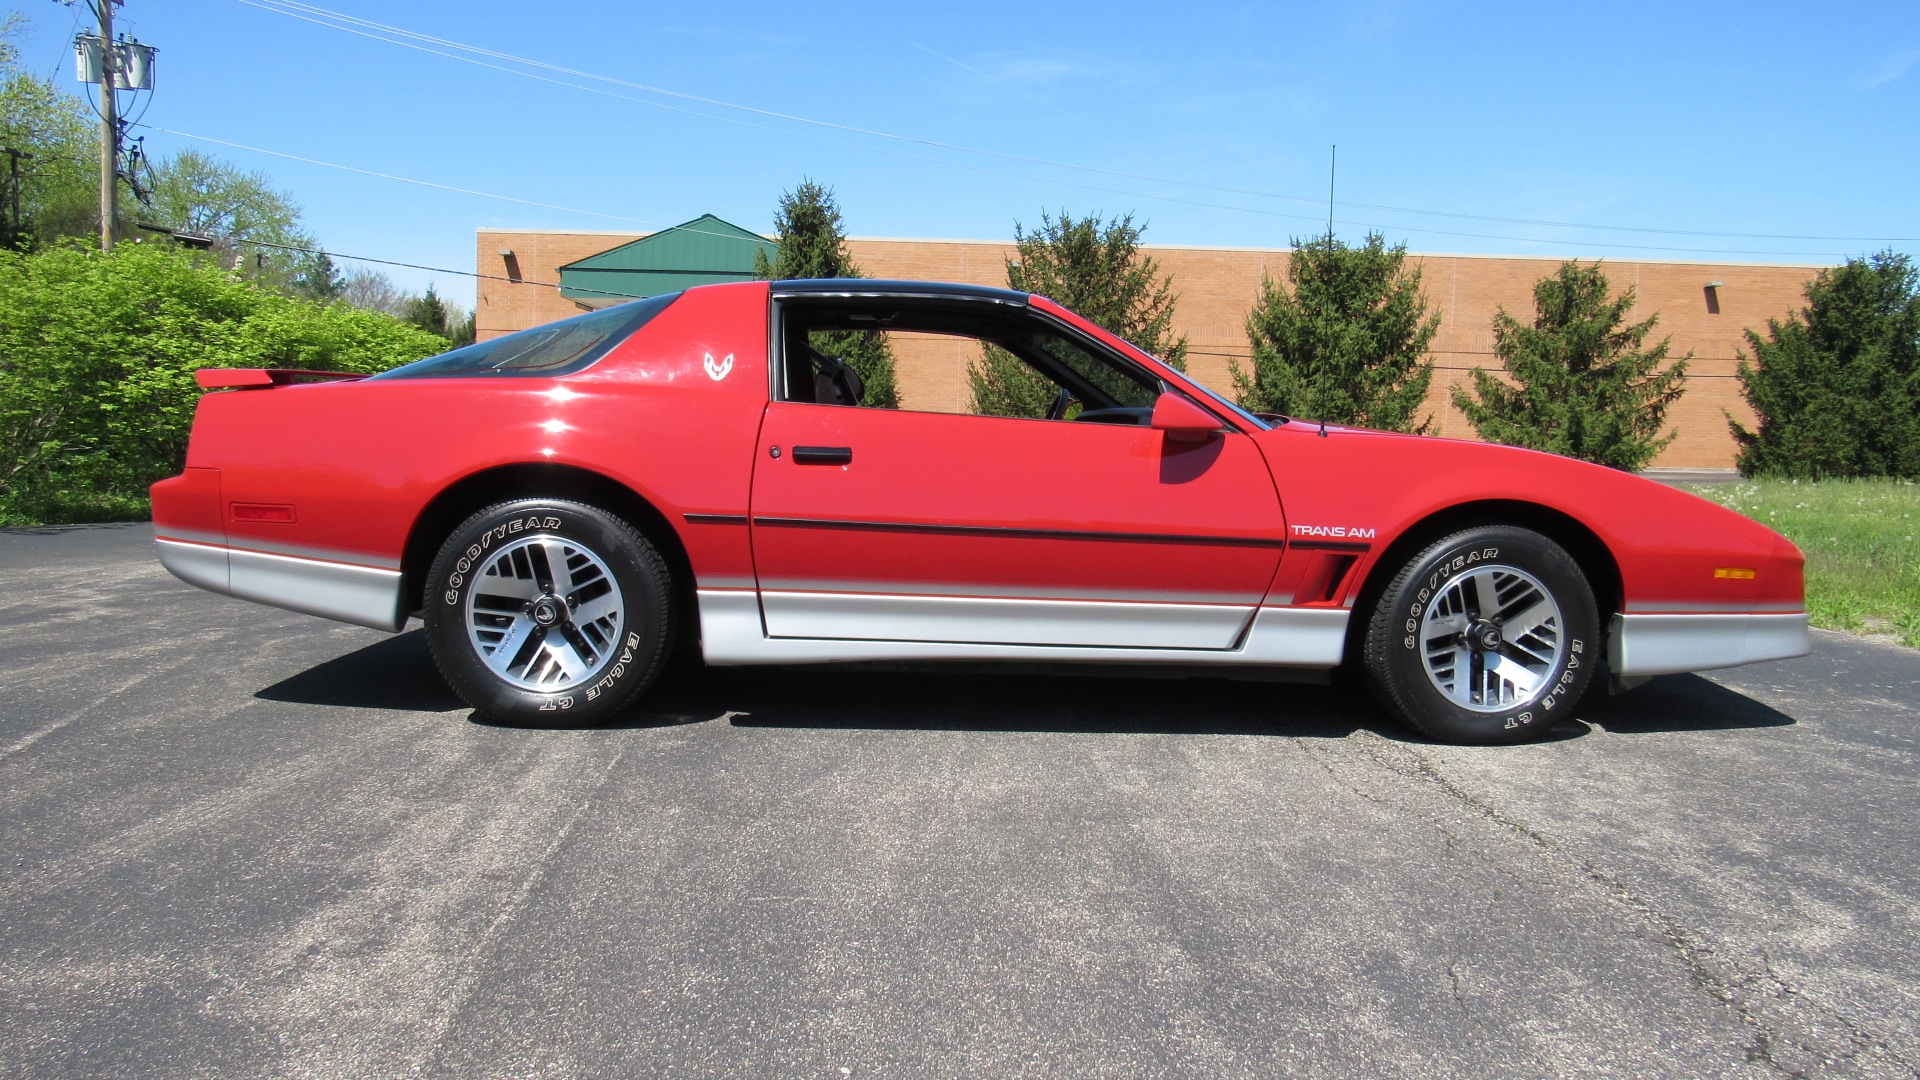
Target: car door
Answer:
pixel 891 524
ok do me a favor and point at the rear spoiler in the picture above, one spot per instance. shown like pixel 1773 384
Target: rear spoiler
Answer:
pixel 242 378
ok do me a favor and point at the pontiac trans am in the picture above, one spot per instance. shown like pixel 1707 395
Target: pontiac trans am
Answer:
pixel 561 505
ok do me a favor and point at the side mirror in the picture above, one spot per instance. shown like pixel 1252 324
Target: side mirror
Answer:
pixel 1182 420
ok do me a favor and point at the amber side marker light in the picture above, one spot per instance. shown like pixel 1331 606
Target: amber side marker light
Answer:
pixel 1735 573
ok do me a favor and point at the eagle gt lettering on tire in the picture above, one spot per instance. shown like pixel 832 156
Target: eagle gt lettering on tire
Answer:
pixel 1487 636
pixel 548 612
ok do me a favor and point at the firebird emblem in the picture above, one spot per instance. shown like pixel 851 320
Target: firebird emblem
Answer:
pixel 718 371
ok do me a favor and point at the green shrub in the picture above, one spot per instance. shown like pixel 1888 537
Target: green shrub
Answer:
pixel 1347 343
pixel 813 244
pixel 1837 384
pixel 1096 269
pixel 1584 382
pixel 97 354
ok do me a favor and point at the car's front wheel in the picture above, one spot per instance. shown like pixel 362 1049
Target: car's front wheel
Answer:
pixel 548 612
pixel 1487 636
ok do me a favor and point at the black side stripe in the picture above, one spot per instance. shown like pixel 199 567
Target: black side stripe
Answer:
pixel 715 519
pixel 1019 534
pixel 1329 545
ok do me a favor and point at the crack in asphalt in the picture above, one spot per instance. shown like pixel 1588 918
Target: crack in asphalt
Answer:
pixel 1715 974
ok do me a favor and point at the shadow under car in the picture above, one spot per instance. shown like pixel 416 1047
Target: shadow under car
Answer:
pixel 398 673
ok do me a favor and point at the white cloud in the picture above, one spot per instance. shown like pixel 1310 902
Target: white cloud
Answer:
pixel 1892 70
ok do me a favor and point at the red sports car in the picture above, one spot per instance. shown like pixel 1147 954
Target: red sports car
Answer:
pixel 559 505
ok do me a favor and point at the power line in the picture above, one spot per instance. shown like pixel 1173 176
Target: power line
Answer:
pixel 402 179
pixel 999 172
pixel 435 269
pixel 1114 191
pixel 319 16
pixel 449 187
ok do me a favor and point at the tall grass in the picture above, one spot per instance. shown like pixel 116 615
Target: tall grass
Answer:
pixel 1862 540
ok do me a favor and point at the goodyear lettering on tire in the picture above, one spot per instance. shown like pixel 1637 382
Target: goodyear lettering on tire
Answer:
pixel 1440 576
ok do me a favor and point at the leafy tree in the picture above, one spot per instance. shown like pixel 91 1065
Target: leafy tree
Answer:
pixel 1095 268
pixel 1347 344
pixel 191 192
pixel 1837 384
pixel 59 183
pixel 371 290
pixel 1584 384
pixel 813 244
pixel 97 354
pixel 200 194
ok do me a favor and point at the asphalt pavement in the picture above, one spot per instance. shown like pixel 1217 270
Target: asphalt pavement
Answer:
pixel 240 842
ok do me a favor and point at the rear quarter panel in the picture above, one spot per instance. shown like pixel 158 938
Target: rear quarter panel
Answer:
pixel 672 413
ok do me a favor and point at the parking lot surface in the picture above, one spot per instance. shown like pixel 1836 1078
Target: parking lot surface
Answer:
pixel 240 842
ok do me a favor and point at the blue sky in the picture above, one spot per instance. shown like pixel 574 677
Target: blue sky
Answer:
pixel 1748 118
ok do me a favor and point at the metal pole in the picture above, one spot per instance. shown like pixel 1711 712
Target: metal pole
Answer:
pixel 109 132
pixel 1333 161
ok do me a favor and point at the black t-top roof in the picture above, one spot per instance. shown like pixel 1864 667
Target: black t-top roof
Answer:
pixel 886 287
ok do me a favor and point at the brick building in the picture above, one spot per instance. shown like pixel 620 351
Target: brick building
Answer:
pixel 1706 307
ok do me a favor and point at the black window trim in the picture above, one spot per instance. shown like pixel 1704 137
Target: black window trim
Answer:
pixel 876 289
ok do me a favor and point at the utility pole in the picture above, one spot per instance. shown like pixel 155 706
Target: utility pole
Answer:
pixel 109 130
pixel 113 65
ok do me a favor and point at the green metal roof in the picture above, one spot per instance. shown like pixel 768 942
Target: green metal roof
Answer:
pixel 703 251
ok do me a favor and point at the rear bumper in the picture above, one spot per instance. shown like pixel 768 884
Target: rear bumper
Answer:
pixel 362 595
pixel 1641 645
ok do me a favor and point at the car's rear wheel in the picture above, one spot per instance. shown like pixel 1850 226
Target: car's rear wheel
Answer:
pixel 548 612
pixel 1486 636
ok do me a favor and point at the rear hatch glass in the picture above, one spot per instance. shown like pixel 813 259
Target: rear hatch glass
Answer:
pixel 558 348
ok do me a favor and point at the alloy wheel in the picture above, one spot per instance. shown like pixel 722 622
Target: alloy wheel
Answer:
pixel 1491 638
pixel 545 613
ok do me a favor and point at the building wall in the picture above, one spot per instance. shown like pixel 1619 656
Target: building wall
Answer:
pixel 1217 286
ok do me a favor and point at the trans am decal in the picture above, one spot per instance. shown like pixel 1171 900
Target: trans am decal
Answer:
pixel 1350 531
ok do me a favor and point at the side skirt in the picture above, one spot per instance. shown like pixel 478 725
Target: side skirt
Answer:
pixel 1022 621
pixel 731 632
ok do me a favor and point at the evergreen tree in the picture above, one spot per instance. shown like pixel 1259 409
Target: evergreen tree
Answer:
pixel 1583 382
pixel 1095 268
pixel 1347 344
pixel 318 279
pixel 462 332
pixel 1837 384
pixel 813 244
pixel 428 312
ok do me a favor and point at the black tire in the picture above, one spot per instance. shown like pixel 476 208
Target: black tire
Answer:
pixel 495 578
pixel 1477 687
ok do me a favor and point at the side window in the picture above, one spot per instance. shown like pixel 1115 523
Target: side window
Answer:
pixel 955 357
pixel 829 365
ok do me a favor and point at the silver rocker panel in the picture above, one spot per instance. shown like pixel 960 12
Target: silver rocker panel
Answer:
pixel 1104 624
pixel 731 632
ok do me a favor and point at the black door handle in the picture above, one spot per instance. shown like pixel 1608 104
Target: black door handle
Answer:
pixel 823 455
